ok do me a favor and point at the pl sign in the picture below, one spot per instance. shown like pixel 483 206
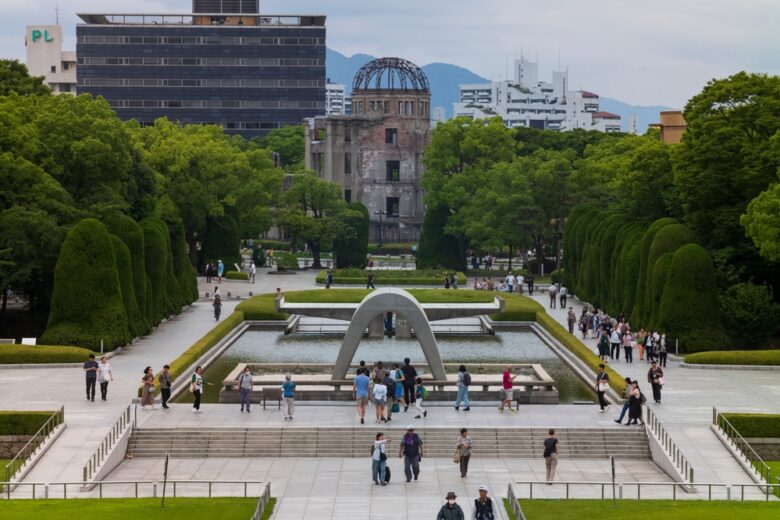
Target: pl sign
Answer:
pixel 37 34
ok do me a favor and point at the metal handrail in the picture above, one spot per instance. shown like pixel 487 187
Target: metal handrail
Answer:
pixel 127 419
pixel 29 449
pixel 655 426
pixel 262 502
pixel 138 488
pixel 765 490
pixel 762 468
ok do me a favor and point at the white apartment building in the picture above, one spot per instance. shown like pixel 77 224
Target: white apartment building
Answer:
pixel 46 58
pixel 531 103
pixel 337 102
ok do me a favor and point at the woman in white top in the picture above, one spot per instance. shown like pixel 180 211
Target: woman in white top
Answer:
pixel 196 387
pixel 380 400
pixel 379 460
pixel 104 376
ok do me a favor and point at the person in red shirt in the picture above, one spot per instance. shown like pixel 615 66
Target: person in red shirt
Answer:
pixel 507 390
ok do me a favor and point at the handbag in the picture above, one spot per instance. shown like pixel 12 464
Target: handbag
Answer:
pixel 603 387
pixel 456 457
pixel 661 381
pixel 383 456
pixel 192 388
pixel 396 408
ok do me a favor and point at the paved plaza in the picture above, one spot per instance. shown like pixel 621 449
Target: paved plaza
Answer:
pixel 341 488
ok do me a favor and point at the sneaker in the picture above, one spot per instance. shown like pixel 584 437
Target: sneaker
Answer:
pixel 501 409
pixel 415 477
pixel 406 407
pixel 425 413
pixel 602 410
pixel 457 407
pixel 417 417
pixel 362 420
pixel 467 409
pixel 242 408
pixel 166 406
pixel 193 410
pixel 384 483
pixel 512 411
pixel 619 422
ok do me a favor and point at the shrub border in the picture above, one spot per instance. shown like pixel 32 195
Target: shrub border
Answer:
pixel 422 280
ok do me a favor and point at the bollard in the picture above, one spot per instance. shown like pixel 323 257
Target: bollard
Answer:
pixel 620 491
pixel 728 492
pixel 154 490
pixel 46 491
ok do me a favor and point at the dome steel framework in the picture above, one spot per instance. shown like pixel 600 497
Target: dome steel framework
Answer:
pixel 390 74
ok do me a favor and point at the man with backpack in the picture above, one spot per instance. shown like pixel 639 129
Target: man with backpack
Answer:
pixel 464 380
pixel 411 450
pixel 410 375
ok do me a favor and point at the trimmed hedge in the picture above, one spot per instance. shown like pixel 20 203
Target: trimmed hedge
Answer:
pixel 353 252
pixel 86 303
pixel 182 266
pixel 132 235
pixel 285 261
pixel 393 249
pixel 668 240
pixel 639 314
pixel 200 347
pixel 736 357
pixel 690 310
pixel 391 277
pixel 124 268
pixel 22 423
pixel 755 424
pixel 517 308
pixel 260 307
pixel 20 354
pixel 156 253
pixel 236 275
pixel 652 298
pixel 438 249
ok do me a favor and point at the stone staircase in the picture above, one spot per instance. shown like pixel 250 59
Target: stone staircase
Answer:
pixel 578 443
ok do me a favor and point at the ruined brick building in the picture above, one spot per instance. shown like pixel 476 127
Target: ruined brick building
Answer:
pixel 376 153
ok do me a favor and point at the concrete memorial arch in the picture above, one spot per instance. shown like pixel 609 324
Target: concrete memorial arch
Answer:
pixel 397 301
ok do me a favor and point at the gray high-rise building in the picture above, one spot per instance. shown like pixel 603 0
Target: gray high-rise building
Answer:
pixel 223 64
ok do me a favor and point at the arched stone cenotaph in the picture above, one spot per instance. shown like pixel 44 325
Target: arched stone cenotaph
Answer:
pixel 397 301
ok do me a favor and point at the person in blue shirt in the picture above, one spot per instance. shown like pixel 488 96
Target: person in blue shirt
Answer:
pixel 360 393
pixel 220 270
pixel 288 395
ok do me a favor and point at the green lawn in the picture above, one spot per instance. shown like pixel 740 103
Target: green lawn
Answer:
pixel 649 510
pixel 735 357
pixel 129 508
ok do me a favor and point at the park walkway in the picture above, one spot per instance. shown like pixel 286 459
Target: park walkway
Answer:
pixel 687 401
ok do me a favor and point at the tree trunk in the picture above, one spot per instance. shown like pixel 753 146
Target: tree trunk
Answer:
pixel 511 252
pixel 539 256
pixel 557 251
pixel 2 310
pixel 315 253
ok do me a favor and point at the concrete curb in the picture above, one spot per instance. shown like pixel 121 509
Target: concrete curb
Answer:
pixel 109 355
pixel 728 367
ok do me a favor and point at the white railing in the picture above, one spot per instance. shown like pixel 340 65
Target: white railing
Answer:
pixel 656 428
pixel 126 420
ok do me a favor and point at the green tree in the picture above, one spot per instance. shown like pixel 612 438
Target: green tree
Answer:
pixel 762 222
pixel 86 304
pixel 751 313
pixel 14 77
pixel 124 268
pixel 352 251
pixel 288 142
pixel 132 236
pixel 437 247
pixel 221 242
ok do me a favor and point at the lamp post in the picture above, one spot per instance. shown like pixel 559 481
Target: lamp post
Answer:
pixel 380 213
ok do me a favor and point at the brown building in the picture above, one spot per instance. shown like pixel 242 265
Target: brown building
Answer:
pixel 376 153
pixel 672 126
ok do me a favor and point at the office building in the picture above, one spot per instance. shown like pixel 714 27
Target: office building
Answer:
pixel 672 126
pixel 376 153
pixel 46 58
pixel 223 64
pixel 337 102
pixel 531 103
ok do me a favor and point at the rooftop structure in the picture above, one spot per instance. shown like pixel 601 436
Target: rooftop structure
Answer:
pixel 46 58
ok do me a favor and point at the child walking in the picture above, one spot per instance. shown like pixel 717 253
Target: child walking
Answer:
pixel 420 394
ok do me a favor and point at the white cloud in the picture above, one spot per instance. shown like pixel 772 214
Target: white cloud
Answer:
pixel 645 52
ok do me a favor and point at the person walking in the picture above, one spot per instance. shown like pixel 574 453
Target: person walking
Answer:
pixel 603 345
pixel 217 304
pixel 650 346
pixel 370 282
pixel 329 279
pixel 380 399
pixel 252 272
pixel 583 323
pixel 614 342
pixel 483 506
pixel 360 393
pixel 507 390
pixel 635 404
pixel 602 386
pixel 104 376
pixel 379 460
pixel 551 454
pixel 245 388
pixel 411 450
pixel 640 343
pixel 165 385
pixel 420 395
pixel 655 376
pixel 510 282
pixel 662 351
pixel 451 510
pixel 463 447
pixel 464 380
pixel 147 395
pixel 563 295
pixel 628 346
pixel 209 270
pixel 530 283
pixel 196 387
pixel 626 401
pixel 220 270
pixel 571 319
pixel 91 369
pixel 288 396
pixel 410 375
pixel 389 382
pixel 553 292
pixel 399 386
pixel 446 281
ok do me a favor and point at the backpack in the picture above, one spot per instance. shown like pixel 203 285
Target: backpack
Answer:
pixel 423 392
pixel 466 378
pixel 642 398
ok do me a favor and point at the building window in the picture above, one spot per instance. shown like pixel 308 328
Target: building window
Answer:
pixel 347 195
pixel 393 171
pixel 391 135
pixel 391 206
pixel 347 163
pixel 54 68
pixel 65 65
pixel 347 134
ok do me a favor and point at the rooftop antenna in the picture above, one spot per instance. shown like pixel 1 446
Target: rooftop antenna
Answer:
pixel 559 57
pixel 506 71
pixel 57 13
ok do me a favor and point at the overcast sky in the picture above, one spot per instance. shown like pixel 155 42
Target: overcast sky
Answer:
pixel 649 52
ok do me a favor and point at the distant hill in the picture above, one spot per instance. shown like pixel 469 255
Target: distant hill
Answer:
pixel 444 79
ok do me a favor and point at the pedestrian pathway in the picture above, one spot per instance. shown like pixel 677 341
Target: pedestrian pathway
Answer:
pixel 687 401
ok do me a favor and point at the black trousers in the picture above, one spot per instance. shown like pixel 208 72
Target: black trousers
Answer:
pixel 615 352
pixel 91 388
pixel 650 354
pixel 662 359
pixel 165 394
pixel 656 393
pixel 629 354
pixel 602 400
pixel 409 394
pixel 196 405
pixel 104 390
pixel 464 464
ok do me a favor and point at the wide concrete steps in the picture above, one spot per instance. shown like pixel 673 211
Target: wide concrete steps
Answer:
pixel 356 442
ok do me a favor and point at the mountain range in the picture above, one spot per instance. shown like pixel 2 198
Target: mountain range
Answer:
pixel 444 79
